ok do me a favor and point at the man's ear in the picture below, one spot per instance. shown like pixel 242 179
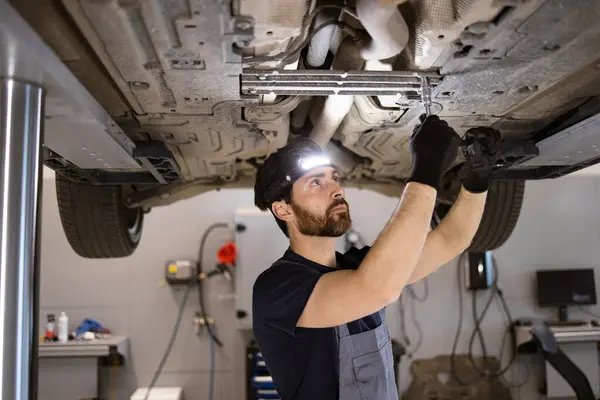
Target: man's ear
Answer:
pixel 282 210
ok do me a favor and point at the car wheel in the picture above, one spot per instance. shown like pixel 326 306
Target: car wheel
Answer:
pixel 96 220
pixel 500 216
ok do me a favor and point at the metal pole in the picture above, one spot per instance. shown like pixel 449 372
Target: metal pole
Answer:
pixel 426 94
pixel 21 112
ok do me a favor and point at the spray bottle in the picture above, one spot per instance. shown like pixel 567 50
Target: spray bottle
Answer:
pixel 63 328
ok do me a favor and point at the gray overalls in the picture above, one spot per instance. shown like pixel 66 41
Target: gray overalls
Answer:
pixel 366 364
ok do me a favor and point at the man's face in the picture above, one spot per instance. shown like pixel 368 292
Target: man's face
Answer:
pixel 318 204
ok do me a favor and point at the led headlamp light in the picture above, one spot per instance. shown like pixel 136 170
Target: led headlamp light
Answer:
pixel 306 164
pixel 285 179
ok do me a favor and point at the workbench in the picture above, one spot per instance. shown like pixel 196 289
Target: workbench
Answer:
pixel 109 351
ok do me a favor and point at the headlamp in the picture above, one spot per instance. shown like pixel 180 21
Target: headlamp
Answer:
pixel 306 164
pixel 313 162
pixel 284 168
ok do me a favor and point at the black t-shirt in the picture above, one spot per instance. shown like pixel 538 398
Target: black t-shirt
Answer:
pixel 302 361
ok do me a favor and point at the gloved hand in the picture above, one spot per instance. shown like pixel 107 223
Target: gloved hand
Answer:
pixel 481 149
pixel 434 146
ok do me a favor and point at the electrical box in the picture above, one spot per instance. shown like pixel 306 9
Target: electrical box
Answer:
pixel 258 246
pixel 180 272
pixel 480 271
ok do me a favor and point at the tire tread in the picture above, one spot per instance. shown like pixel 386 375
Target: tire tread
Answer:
pixel 500 216
pixel 94 219
pixel 502 210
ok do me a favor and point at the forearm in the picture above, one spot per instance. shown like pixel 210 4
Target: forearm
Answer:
pixel 462 221
pixel 390 262
pixel 454 234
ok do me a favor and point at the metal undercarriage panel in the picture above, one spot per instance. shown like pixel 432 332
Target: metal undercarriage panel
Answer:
pixel 68 107
pixel 439 23
pixel 180 61
pixel 514 65
pixel 175 58
pixel 211 145
pixel 536 61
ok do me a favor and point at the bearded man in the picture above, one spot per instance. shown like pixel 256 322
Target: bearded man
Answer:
pixel 318 315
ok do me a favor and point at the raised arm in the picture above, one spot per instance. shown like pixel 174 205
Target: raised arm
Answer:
pixel 456 231
pixel 452 236
pixel 342 296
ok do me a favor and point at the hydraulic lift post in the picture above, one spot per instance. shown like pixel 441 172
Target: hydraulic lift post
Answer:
pixel 21 116
pixel 76 127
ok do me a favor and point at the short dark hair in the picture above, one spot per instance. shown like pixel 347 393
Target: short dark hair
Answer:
pixel 274 179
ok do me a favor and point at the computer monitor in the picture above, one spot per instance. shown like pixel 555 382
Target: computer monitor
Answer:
pixel 565 287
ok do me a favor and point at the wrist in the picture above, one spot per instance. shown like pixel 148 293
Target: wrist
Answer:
pixel 477 182
pixel 426 175
pixel 419 198
pixel 422 189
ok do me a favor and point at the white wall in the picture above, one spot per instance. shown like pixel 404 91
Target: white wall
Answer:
pixel 559 228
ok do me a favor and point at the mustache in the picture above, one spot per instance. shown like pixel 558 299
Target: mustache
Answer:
pixel 337 203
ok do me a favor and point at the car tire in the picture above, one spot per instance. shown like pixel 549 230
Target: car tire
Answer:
pixel 96 220
pixel 500 216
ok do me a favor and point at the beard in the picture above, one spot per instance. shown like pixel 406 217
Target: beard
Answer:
pixel 327 225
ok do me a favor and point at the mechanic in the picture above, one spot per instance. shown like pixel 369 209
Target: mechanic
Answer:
pixel 318 315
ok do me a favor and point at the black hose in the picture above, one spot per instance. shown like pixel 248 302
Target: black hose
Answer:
pixel 460 319
pixel 211 332
pixel 425 296
pixel 182 308
pixel 172 340
pixel 403 321
pixel 417 325
pixel 496 293
pixel 477 332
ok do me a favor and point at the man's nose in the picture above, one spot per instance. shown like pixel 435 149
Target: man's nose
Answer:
pixel 337 191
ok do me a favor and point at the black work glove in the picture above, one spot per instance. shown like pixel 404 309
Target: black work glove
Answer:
pixel 481 149
pixel 434 146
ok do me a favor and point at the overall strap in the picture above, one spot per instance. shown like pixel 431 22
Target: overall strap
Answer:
pixel 344 330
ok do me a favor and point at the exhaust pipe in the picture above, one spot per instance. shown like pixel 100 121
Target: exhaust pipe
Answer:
pixel 386 26
pixel 337 106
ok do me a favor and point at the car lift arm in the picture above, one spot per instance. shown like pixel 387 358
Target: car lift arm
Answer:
pixel 561 362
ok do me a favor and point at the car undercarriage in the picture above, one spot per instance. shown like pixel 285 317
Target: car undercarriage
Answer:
pixel 198 93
